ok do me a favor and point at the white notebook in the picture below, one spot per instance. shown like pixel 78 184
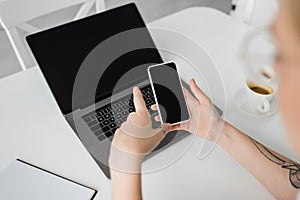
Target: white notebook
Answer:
pixel 22 181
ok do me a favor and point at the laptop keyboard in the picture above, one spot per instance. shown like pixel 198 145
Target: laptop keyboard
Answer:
pixel 105 120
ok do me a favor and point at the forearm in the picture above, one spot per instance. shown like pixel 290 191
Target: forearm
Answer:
pixel 249 153
pixel 126 186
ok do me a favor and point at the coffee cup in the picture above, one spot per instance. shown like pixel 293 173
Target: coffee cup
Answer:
pixel 259 94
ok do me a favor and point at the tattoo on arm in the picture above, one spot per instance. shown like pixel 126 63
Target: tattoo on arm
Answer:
pixel 285 163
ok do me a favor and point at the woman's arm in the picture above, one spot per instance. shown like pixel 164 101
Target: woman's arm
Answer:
pixel 126 185
pixel 277 173
pixel 132 142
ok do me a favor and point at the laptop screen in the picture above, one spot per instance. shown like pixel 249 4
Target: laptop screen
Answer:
pixel 61 51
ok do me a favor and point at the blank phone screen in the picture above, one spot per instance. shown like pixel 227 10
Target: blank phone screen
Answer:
pixel 169 94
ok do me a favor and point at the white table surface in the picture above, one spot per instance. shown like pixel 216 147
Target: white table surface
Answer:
pixel 33 129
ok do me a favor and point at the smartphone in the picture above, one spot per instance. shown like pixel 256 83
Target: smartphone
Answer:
pixel 168 93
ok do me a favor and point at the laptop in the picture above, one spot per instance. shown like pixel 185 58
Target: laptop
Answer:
pixel 95 112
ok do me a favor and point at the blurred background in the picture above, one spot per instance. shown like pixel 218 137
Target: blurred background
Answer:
pixel 150 9
pixel 256 13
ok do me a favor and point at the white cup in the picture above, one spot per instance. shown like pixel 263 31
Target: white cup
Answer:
pixel 259 94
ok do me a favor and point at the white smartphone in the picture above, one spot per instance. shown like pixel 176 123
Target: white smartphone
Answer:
pixel 168 92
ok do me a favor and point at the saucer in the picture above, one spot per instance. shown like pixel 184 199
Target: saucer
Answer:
pixel 240 102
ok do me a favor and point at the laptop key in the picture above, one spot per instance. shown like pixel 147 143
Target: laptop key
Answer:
pixel 108 134
pixel 106 116
pixel 126 106
pixel 112 119
pixel 114 130
pixel 113 125
pixel 119 122
pixel 105 128
pixel 92 123
pixel 118 104
pixel 104 111
pixel 101 137
pixel 113 112
pixel 118 116
pixel 87 119
pixel 98 132
pixel 95 128
pixel 100 119
pixel 148 102
pixel 106 122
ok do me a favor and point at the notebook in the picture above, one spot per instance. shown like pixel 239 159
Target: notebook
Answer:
pixel 27 182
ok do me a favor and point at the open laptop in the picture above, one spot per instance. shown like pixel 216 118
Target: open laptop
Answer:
pixel 62 51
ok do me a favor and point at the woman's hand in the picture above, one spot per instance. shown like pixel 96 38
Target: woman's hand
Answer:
pixel 135 138
pixel 205 122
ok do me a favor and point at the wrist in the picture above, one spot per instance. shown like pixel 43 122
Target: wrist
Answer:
pixel 226 135
pixel 125 162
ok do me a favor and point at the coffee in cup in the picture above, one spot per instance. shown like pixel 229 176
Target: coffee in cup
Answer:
pixel 259 94
pixel 260 89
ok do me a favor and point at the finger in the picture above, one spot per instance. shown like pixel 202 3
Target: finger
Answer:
pixel 198 92
pixel 154 107
pixel 189 96
pixel 157 118
pixel 166 128
pixel 175 127
pixel 139 103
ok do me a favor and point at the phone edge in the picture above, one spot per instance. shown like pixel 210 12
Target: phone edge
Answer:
pixel 151 83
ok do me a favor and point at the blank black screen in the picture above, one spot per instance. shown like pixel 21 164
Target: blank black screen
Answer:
pixel 60 51
pixel 169 93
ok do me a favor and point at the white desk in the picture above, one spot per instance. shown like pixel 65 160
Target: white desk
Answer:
pixel 32 127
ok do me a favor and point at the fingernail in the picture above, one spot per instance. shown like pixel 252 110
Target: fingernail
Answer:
pixel 135 88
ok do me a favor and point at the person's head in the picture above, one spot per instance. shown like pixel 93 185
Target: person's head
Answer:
pixel 286 29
